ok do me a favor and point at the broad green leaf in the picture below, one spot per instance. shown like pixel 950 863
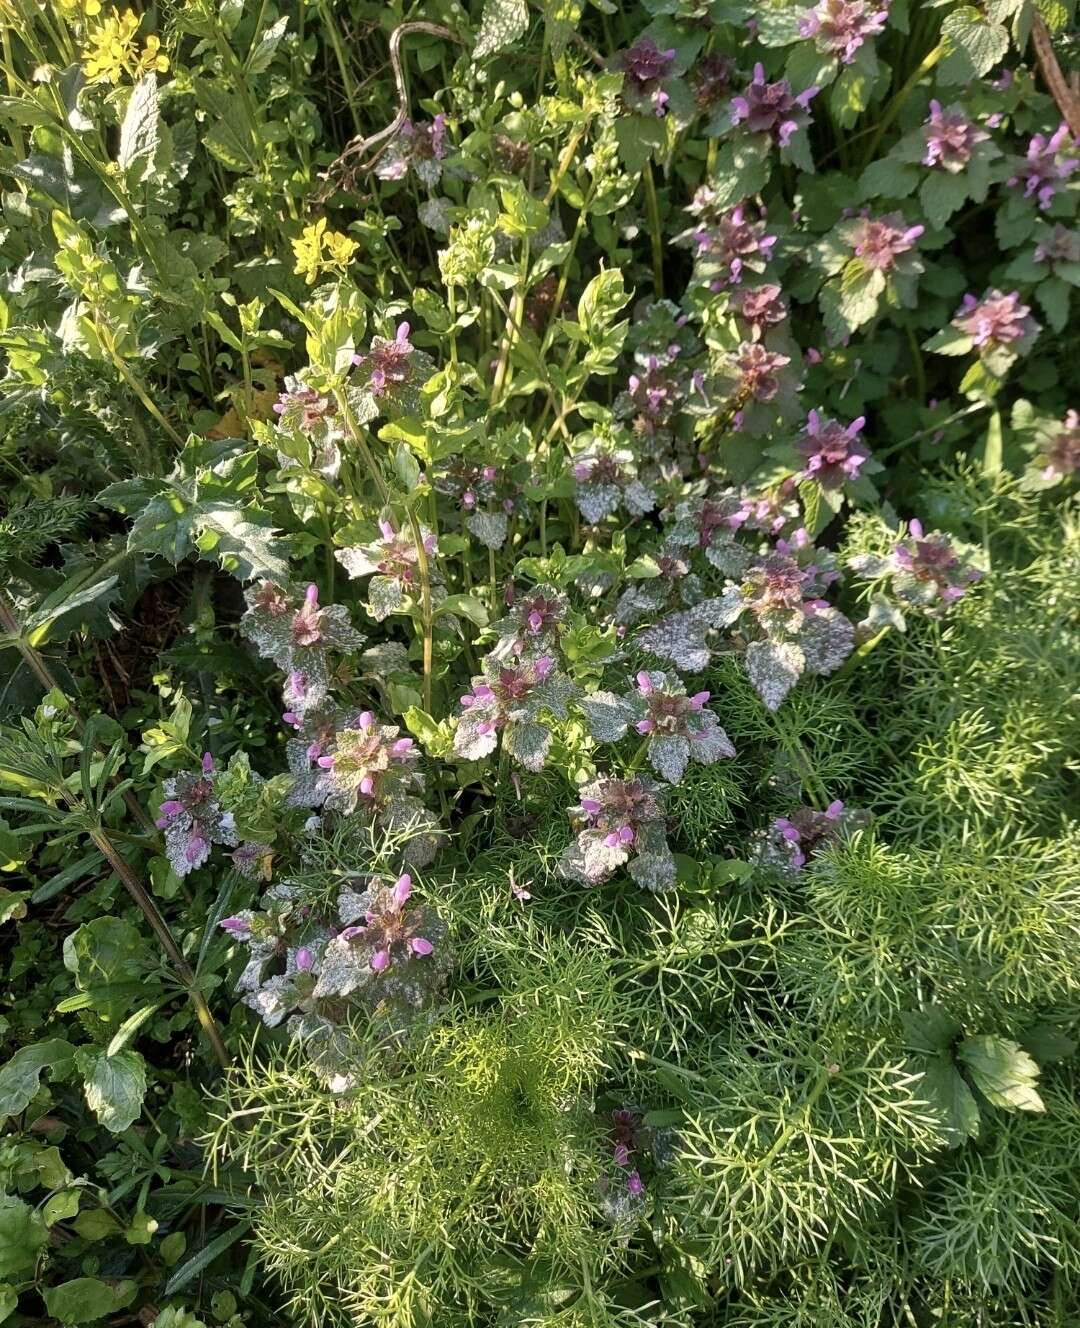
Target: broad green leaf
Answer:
pixel 87 1299
pixel 972 44
pixel 20 1078
pixel 465 606
pixel 601 300
pixel 1002 1071
pixel 115 1085
pixel 22 1237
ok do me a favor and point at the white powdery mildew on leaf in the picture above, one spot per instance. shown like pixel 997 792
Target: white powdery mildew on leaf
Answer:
pixel 590 859
pixel 827 638
pixel 489 528
pixel 680 638
pixel 728 557
pixel 384 596
pixel 710 743
pixel 528 744
pixel 470 743
pixel 345 968
pixel 357 561
pixel 607 715
pixel 638 499
pixel 669 755
pixel 654 869
pixel 774 668
pixel 597 501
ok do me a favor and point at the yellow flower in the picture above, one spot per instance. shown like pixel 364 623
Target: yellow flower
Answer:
pixel 80 8
pixel 112 50
pixel 340 249
pixel 309 249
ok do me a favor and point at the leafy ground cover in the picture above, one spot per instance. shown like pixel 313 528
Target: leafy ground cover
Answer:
pixel 539 735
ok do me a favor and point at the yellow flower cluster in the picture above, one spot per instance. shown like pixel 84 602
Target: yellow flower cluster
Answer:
pixel 112 50
pixel 318 249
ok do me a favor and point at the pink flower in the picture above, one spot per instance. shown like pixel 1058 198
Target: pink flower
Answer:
pixel 996 320
pixel 840 27
pixel 834 452
pixel 770 108
pixel 880 241
pixel 950 138
pixel 1043 167
pixel 758 370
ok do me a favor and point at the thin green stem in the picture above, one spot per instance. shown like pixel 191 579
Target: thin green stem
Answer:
pixel 652 209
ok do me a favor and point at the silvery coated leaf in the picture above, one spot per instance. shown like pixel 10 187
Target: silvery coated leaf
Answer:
pixel 489 528
pixel 774 668
pixel 827 638
pixel 528 744
pixel 607 715
pixel 668 755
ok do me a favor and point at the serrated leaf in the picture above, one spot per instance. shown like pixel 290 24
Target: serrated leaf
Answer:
pixel 1002 1071
pixel 114 1085
pixel 941 194
pixel 22 1237
pixel 608 716
pixel 973 45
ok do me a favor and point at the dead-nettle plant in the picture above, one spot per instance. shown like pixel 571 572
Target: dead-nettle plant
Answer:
pixel 606 722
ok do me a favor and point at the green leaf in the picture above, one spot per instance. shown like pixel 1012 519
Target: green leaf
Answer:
pixel 1002 1072
pixel 888 178
pixel 851 300
pixel 9 1300
pixel 1053 297
pixel 22 1237
pixel 601 301
pixel 172 1248
pixel 140 130
pixel 941 194
pixel 1047 1043
pixel 204 1257
pixel 502 23
pixel 115 1085
pixel 972 44
pixel 993 448
pixel 262 52
pixel 108 957
pixel 130 1027
pixel 931 1029
pixel 87 1299
pixel 141 1229
pixel 20 1078
pixel 96 1224
pixel 465 606
pixel 944 1090
pixel 60 1207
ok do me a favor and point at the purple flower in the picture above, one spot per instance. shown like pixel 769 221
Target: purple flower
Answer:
pixel 950 138
pixel 805 830
pixel 1044 167
pixel 996 320
pixel 711 79
pixel 770 108
pixel 1060 246
pixel 301 407
pixel 236 926
pixel 931 568
pixel 760 306
pixel 729 243
pixel 193 819
pixel 757 371
pixel 388 362
pixel 645 66
pixel 881 241
pixel 840 27
pixel 834 452
pixel 420 148
pixel 1059 458
pixel 391 932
